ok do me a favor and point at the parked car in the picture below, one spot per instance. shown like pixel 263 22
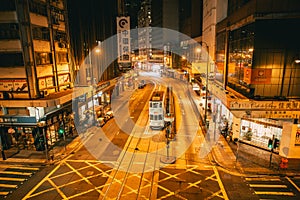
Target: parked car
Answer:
pixel 142 84
pixel 100 121
pixel 109 115
pixel 202 103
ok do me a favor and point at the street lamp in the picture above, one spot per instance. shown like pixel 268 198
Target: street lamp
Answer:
pixel 206 84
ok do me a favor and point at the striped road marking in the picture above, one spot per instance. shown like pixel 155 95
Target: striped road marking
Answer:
pixel 267 186
pixel 12 179
pixel 262 179
pixel 4 193
pixel 25 168
pixel 292 182
pixel 8 186
pixel 16 173
pixel 275 193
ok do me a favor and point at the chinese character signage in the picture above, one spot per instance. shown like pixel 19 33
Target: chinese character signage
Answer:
pixel 123 30
pixel 265 105
pixel 13 85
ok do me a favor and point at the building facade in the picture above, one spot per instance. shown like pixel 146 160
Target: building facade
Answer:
pixel 257 73
pixel 37 75
pixel 39 102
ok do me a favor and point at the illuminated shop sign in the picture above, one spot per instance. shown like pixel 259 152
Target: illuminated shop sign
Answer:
pixel 277 114
pixel 123 30
pixel 265 105
pixel 13 85
pixel 8 119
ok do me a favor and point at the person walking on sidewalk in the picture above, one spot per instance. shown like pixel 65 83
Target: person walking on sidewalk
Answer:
pixel 230 136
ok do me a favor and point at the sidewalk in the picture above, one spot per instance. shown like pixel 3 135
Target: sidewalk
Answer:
pixel 236 158
pixel 33 157
pixel 226 154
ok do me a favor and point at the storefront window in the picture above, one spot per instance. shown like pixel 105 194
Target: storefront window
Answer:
pixel 259 133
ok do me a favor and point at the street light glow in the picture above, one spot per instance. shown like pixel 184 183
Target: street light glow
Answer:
pixel 98 50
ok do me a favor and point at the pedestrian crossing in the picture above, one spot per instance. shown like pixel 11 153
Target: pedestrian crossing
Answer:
pixel 272 187
pixel 12 176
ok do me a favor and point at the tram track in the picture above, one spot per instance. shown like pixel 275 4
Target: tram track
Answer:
pixel 123 177
pixel 136 151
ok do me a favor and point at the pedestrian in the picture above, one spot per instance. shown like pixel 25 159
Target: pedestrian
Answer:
pixel 11 130
pixel 230 136
pixel 71 129
pixel 13 135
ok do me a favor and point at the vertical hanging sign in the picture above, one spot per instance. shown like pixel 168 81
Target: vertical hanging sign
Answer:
pixel 123 31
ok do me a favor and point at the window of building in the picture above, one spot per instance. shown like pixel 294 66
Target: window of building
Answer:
pixel 220 56
pixel 62 57
pixel 11 59
pixel 41 33
pixel 60 36
pixel 43 58
pixel 37 7
pixel 241 42
pixel 7 5
pixel 9 31
pixel 57 15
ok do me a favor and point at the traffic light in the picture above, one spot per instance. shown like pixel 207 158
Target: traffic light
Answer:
pixel 270 144
pixel 276 143
pixel 61 131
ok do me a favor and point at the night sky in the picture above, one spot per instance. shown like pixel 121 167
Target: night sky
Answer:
pixel 89 21
pixel 93 20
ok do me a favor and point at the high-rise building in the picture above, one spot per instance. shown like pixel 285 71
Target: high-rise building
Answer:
pixel 257 63
pixel 36 77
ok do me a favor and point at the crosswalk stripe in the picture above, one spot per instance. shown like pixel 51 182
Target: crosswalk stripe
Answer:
pixel 4 193
pixel 274 193
pixel 25 168
pixel 16 173
pixel 8 186
pixel 267 186
pixel 292 182
pixel 12 179
pixel 262 179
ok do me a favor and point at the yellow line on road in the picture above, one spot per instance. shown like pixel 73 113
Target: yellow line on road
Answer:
pixel 12 179
pixel 267 186
pixel 16 173
pixel 262 179
pixel 8 186
pixel 4 193
pixel 275 193
pixel 41 182
pixel 83 177
pixel 220 183
pixel 292 182
pixel 57 189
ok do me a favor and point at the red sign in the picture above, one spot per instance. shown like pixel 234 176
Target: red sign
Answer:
pixel 261 76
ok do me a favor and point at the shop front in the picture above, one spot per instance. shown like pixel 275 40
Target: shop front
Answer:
pixel 93 104
pixel 17 131
pixel 261 132
pixel 56 125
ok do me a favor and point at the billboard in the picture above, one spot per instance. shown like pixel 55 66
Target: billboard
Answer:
pixel 123 33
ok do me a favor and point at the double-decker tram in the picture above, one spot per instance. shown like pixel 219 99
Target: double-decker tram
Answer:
pixel 157 110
